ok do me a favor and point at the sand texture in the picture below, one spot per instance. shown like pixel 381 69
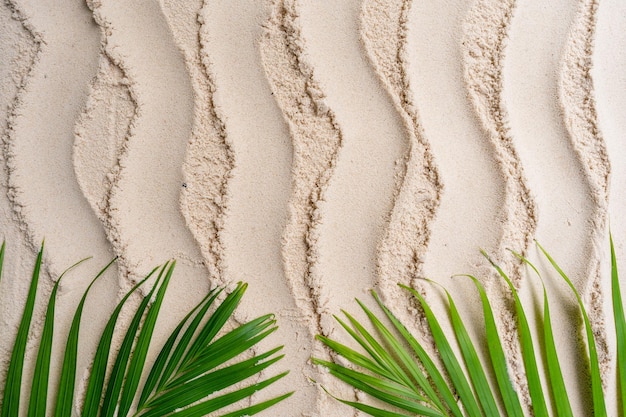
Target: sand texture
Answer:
pixel 315 149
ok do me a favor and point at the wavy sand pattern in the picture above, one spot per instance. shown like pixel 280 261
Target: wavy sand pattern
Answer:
pixel 107 115
pixel 149 174
pixel 401 251
pixel 551 163
pixel 259 187
pixel 302 146
pixel 41 141
pixel 484 43
pixel 609 81
pixel 464 154
pixel 373 139
pixel 209 158
pixel 316 140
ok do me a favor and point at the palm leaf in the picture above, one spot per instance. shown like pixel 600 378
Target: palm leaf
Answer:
pixel 528 350
pixel 382 370
pixel 39 391
pixel 450 361
pixel 599 405
pixel 116 379
pixel 195 365
pixel 12 387
pixel 65 396
pixel 557 383
pixel 472 362
pixel 96 380
pixel 620 331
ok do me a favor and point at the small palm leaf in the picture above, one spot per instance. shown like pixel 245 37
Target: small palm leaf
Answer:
pixel 11 393
pixel 38 394
pixel 620 331
pixel 557 383
pixel 189 368
pixel 528 349
pixel 65 396
pixel 599 406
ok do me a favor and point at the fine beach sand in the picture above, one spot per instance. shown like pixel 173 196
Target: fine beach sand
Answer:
pixel 316 150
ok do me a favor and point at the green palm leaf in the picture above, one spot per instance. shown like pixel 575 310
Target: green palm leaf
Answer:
pixel 620 331
pixel 599 405
pixel 11 393
pixel 528 349
pixel 386 372
pixel 196 373
pixel 557 383
pixel 65 396
pixel 39 391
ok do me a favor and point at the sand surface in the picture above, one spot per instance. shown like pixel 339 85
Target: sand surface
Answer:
pixel 316 150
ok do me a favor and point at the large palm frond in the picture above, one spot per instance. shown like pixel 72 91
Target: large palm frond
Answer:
pixel 403 380
pixel 201 369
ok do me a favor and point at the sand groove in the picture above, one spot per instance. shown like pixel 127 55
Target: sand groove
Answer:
pixel 484 43
pixel 146 225
pixel 259 184
pixel 609 82
pixel 316 140
pixel 354 217
pixel 43 144
pixel 100 134
pixel 577 95
pixel 209 158
pixel 465 157
pixel 401 251
pixel 38 149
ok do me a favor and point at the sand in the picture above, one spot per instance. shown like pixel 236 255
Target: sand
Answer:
pixel 316 150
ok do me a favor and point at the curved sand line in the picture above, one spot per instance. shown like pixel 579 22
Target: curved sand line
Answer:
pixel 531 79
pixel 41 139
pixel 360 194
pixel 579 107
pixel 485 32
pixel 259 187
pixel 145 219
pixel 483 45
pixel 402 249
pixel 18 50
pixel 465 158
pixel 474 184
pixel 609 80
pixel 209 157
pixel 316 141
pixel 100 133
pixel 38 150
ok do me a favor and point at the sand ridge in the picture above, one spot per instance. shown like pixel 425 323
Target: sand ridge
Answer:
pixel 418 188
pixel 259 186
pixel 316 140
pixel 209 159
pixel 579 108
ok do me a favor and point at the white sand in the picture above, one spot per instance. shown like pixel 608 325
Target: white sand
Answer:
pixel 315 149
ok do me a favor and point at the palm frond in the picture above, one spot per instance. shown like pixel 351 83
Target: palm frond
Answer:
pixel 198 370
pixel 399 383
